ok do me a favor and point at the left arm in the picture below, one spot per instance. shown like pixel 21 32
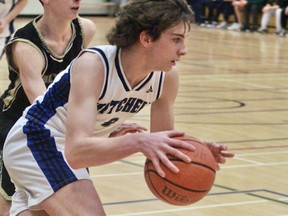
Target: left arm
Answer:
pixel 12 14
pixel 162 112
pixel 162 115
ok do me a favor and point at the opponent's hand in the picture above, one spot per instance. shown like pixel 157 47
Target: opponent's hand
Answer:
pixel 126 128
pixel 219 152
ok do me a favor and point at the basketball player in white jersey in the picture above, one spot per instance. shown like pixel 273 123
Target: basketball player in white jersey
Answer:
pixel 66 130
pixel 9 10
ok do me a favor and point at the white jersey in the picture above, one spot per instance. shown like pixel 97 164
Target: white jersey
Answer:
pixel 5 7
pixel 38 137
pixel 117 102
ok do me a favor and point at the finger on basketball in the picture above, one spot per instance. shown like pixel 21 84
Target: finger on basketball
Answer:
pixel 180 154
pixel 183 145
pixel 158 168
pixel 227 154
pixel 168 163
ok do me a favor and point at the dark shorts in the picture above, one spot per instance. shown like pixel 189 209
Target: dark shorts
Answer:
pixel 6 186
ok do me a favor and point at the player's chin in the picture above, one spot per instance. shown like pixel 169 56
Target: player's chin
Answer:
pixel 75 12
pixel 169 67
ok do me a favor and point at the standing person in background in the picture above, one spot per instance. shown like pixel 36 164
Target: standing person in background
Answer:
pixel 66 129
pixel 35 55
pixel 9 10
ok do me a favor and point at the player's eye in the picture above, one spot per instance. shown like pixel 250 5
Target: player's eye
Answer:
pixel 177 40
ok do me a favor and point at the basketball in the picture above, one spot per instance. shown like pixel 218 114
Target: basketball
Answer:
pixel 191 183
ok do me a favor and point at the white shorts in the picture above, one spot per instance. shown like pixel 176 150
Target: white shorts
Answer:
pixel 37 165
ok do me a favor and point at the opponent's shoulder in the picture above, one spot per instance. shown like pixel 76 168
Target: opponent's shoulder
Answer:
pixel 26 30
pixel 88 27
pixel 87 23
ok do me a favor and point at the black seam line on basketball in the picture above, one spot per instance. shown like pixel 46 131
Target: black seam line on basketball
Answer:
pixel 254 195
pixel 188 189
pixel 155 190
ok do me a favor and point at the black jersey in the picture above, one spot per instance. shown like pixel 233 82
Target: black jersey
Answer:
pixel 14 99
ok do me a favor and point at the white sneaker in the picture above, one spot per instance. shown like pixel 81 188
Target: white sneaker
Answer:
pixel 222 25
pixel 204 24
pixel 234 27
pixel 212 25
pixel 282 33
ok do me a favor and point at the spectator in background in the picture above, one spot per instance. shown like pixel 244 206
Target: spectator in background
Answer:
pixel 198 7
pixel 227 10
pixel 271 9
pixel 238 5
pixel 214 9
pixel 9 10
pixel 252 10
pixel 283 18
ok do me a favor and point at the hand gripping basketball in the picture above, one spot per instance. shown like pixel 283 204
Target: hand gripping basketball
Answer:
pixel 193 181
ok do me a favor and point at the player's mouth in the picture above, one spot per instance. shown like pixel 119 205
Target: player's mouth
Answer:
pixel 75 8
pixel 174 62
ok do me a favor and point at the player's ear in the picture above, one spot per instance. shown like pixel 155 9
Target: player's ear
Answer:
pixel 145 39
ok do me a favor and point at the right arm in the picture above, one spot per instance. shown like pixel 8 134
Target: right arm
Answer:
pixel 30 64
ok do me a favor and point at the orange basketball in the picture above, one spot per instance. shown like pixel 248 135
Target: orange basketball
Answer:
pixel 193 181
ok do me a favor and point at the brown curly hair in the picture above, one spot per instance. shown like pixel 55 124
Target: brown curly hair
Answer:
pixel 152 16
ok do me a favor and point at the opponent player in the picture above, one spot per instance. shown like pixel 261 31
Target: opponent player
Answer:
pixel 9 10
pixel 36 54
pixel 66 130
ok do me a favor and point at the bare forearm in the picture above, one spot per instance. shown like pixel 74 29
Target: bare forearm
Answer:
pixel 16 10
pixel 95 151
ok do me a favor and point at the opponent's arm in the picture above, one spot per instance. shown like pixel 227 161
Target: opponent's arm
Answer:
pixel 30 64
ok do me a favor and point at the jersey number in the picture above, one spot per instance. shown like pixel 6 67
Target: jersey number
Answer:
pixel 110 122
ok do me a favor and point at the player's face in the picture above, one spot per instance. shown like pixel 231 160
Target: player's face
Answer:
pixel 68 9
pixel 170 47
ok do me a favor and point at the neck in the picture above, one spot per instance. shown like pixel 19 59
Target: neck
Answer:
pixel 54 29
pixel 134 64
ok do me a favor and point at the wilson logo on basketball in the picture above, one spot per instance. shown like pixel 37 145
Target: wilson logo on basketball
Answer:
pixel 173 195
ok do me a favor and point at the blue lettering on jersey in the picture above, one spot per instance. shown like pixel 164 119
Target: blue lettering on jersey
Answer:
pixel 131 105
